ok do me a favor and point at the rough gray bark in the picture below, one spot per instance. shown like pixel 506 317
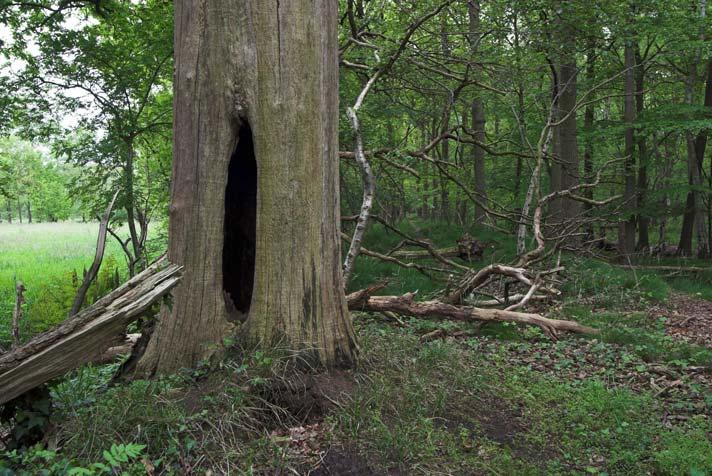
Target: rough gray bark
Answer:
pixel 264 73
pixel 703 240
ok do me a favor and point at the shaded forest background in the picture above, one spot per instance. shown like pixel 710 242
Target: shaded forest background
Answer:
pixel 452 127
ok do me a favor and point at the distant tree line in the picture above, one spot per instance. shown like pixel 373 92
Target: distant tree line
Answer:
pixel 33 188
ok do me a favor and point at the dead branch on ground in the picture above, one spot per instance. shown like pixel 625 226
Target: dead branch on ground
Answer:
pixel 405 304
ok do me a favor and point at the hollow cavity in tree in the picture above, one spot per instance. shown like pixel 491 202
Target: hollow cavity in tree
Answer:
pixel 238 258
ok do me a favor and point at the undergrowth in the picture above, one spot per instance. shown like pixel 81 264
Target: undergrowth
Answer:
pixel 505 400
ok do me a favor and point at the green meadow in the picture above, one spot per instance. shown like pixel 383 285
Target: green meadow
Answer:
pixel 48 258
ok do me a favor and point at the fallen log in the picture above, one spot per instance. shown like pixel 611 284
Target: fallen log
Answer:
pixel 85 336
pixel 405 304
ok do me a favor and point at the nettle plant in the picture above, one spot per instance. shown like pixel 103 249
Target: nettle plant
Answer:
pixel 124 459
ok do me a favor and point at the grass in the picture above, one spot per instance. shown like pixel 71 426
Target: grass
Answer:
pixel 440 407
pixel 444 407
pixel 49 259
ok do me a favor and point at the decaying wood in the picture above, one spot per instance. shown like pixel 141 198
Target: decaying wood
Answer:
pixel 17 312
pixel 406 304
pixel 85 336
pixel 98 258
pixel 450 252
pixel 124 347
pixel 475 279
pixel 513 298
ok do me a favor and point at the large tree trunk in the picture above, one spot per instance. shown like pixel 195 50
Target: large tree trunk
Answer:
pixel 254 199
pixel 568 135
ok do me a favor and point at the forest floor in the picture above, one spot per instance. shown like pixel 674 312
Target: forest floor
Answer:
pixel 483 399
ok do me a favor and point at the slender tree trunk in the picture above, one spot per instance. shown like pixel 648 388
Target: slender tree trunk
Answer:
pixel 684 246
pixel 130 205
pixel 445 127
pixel 462 199
pixel 565 172
pixel 423 183
pixel 521 111
pixel 642 219
pixel 693 218
pixel 703 244
pixel 19 210
pixel 665 201
pixel 254 199
pixel 626 231
pixel 443 180
pixel 478 113
pixel 588 123
pixel 29 212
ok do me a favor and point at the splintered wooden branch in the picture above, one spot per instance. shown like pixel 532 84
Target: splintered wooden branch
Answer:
pixel 84 337
pixel 17 313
